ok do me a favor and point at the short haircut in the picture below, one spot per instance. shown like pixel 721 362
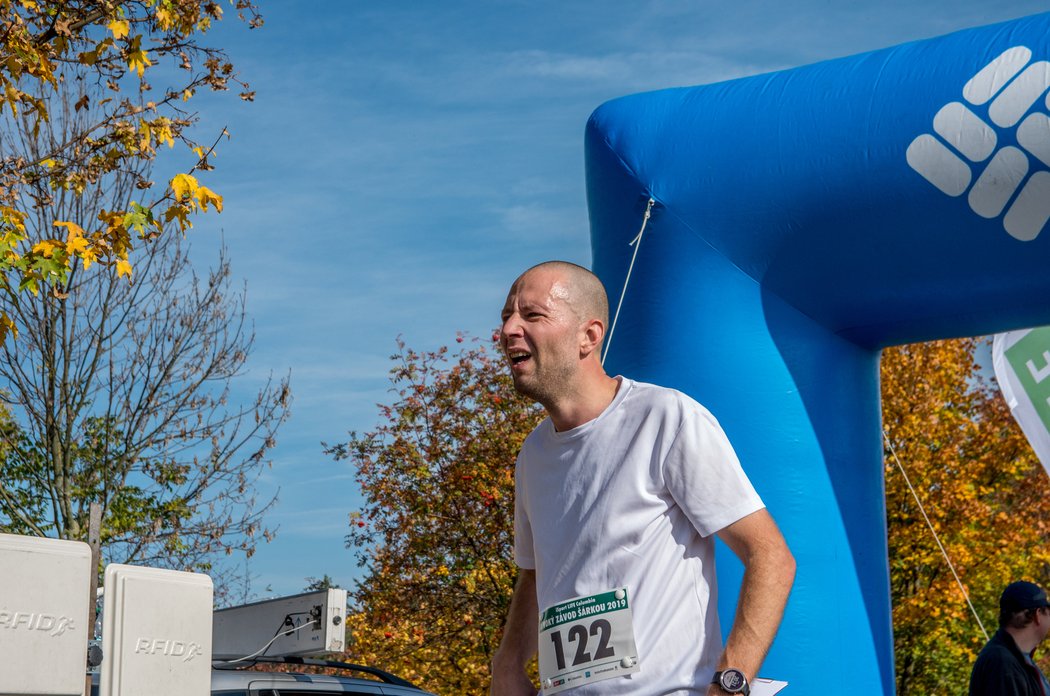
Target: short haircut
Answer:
pixel 587 295
pixel 1016 619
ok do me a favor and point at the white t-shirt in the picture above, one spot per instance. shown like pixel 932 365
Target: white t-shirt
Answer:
pixel 631 499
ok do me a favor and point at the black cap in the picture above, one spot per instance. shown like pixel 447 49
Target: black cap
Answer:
pixel 1021 595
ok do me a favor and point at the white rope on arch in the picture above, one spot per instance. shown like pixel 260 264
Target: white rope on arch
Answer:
pixel 958 581
pixel 636 243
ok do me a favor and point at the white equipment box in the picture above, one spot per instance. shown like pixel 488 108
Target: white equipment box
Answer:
pixel 44 587
pixel 318 616
pixel 156 632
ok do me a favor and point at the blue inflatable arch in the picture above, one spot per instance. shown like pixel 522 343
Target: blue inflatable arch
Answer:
pixel 803 220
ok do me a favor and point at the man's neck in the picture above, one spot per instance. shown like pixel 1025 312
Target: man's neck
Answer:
pixel 1025 639
pixel 587 403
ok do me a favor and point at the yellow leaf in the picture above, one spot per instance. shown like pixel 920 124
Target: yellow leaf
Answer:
pixel 49 163
pixel 89 256
pixel 165 18
pixel 47 247
pixel 76 241
pixel 205 195
pixel 76 245
pixel 138 61
pixel 123 268
pixel 178 213
pixel 7 326
pixel 13 218
pixel 71 227
pixel 119 27
pixel 184 185
pixel 145 140
pixel 12 96
pixel 162 132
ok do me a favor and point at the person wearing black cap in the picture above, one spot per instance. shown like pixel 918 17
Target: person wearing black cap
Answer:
pixel 1005 666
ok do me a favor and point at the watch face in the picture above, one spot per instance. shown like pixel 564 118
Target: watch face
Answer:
pixel 732 680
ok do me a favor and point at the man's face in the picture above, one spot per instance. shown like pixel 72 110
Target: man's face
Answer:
pixel 540 335
pixel 1044 621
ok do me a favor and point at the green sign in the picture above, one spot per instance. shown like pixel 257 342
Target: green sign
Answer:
pixel 583 607
pixel 1030 360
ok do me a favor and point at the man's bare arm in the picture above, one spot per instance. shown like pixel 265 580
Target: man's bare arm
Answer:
pixel 519 644
pixel 769 571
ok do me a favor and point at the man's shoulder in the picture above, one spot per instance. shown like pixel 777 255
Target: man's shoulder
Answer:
pixel 994 651
pixel 655 396
pixel 647 390
pixel 998 650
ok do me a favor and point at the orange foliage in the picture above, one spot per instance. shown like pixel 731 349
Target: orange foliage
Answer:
pixel 436 531
pixel 986 494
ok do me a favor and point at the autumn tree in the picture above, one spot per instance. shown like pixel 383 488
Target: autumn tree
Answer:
pixel 436 531
pixel 126 394
pixel 103 54
pixel 988 499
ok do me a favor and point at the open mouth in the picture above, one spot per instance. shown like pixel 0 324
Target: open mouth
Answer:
pixel 517 357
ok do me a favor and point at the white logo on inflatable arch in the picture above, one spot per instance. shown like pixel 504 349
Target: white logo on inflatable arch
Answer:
pixel 996 100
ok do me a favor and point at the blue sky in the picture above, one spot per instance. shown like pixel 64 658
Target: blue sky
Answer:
pixel 404 161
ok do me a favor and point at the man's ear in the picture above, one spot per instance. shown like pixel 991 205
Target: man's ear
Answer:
pixel 593 333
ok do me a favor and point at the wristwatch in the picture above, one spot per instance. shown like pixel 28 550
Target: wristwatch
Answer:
pixel 732 681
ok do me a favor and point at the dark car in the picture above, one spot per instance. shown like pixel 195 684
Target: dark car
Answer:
pixel 233 680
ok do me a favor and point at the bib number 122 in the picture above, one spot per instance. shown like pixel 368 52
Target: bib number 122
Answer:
pixel 579 634
pixel 586 639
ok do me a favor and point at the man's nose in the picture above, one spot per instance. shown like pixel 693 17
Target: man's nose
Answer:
pixel 511 326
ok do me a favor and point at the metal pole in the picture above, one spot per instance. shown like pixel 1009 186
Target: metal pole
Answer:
pixel 94 540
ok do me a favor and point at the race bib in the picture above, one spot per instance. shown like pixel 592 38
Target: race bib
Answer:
pixel 585 640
